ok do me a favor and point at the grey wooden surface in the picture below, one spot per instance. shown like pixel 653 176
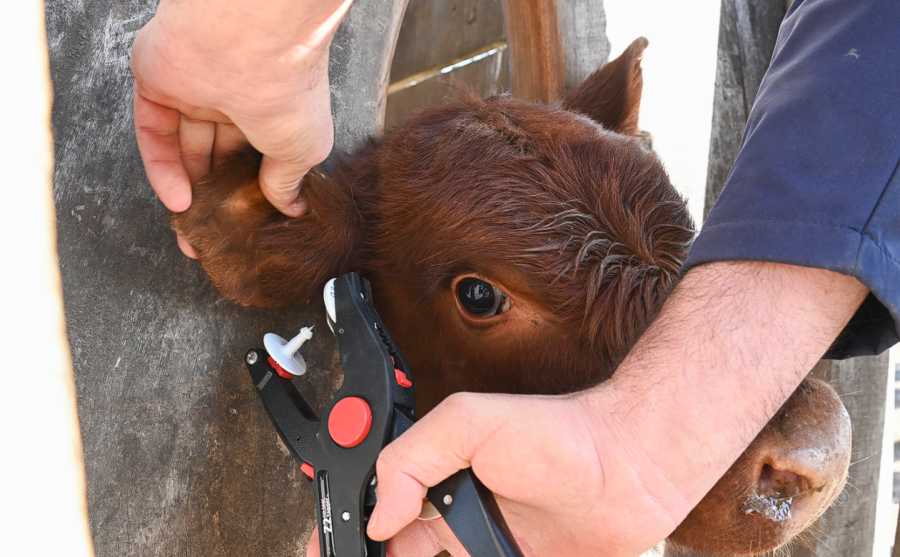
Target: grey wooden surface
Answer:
pixel 180 456
pixel 553 45
pixel 360 69
pixel 747 33
pixel 848 528
pixel 581 23
pixel 436 31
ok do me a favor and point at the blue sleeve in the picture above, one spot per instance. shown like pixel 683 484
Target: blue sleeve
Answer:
pixel 816 182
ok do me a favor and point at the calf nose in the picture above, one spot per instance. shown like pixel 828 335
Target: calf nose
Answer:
pixel 806 445
pixel 802 456
pixel 788 476
pixel 783 481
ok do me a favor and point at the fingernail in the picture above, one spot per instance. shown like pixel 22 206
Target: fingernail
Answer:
pixel 186 248
pixel 372 519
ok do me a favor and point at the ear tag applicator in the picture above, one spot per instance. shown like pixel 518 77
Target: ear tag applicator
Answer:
pixel 284 352
pixel 375 404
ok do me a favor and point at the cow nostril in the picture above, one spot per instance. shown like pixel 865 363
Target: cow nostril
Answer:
pixel 781 483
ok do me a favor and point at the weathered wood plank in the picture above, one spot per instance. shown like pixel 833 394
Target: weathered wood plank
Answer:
pixel 747 33
pixel 487 76
pixel 434 32
pixel 360 70
pixel 896 551
pixel 180 456
pixel 536 55
pixel 582 28
pixel 436 35
pixel 553 45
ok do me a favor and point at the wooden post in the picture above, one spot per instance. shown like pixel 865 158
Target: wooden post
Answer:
pixel 553 45
pixel 747 35
pixel 359 70
pixel 848 528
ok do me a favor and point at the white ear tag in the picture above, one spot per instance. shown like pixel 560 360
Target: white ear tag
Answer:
pixel 329 303
pixel 285 352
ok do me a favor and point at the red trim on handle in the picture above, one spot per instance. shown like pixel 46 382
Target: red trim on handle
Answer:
pixel 308 470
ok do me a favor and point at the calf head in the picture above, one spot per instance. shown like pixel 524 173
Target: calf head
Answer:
pixel 516 248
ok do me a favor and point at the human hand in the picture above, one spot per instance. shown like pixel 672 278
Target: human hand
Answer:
pixel 210 76
pixel 612 470
pixel 540 456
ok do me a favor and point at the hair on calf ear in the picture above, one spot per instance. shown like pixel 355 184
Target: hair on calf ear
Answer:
pixel 257 256
pixel 611 96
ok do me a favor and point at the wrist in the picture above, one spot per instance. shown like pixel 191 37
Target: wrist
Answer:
pixel 730 346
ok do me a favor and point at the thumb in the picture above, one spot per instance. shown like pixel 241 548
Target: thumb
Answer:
pixel 280 184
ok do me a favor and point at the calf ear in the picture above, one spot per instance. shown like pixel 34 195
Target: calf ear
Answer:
pixel 257 256
pixel 611 95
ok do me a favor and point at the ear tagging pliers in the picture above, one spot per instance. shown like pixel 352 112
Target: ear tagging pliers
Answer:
pixel 373 407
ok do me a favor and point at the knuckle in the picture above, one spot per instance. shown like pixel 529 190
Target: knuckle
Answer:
pixel 462 404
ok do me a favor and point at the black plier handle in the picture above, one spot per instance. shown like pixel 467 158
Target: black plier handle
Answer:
pixel 374 405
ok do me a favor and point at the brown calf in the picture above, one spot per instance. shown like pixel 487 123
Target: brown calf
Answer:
pixel 517 248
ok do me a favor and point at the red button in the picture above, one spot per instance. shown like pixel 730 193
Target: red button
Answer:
pixel 350 421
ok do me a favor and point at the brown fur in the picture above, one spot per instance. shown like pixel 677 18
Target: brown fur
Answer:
pixel 557 205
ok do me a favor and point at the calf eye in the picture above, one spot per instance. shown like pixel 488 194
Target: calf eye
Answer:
pixel 482 299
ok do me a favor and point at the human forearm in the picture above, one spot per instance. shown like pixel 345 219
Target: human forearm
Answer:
pixel 631 457
pixel 730 346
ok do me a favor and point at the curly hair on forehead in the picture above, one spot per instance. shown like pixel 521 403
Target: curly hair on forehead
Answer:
pixel 588 217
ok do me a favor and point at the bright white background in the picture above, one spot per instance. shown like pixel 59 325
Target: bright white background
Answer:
pixel 679 81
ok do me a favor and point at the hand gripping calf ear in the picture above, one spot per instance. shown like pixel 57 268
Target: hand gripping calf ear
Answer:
pixel 254 254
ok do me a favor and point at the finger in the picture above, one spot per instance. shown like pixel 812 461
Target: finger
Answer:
pixel 280 183
pixel 403 505
pixel 156 130
pixel 418 540
pixel 312 546
pixel 186 248
pixel 432 450
pixel 229 138
pixel 195 139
